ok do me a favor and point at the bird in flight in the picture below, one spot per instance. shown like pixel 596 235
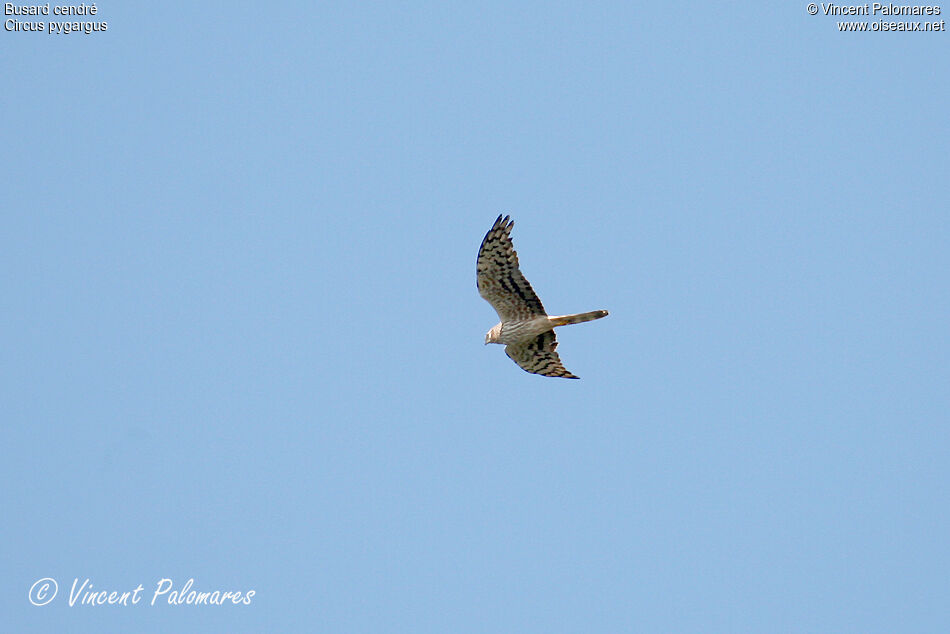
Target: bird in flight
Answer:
pixel 526 330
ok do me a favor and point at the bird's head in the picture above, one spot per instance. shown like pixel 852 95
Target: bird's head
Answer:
pixel 492 335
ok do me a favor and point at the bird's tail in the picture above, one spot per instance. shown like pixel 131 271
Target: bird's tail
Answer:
pixel 565 320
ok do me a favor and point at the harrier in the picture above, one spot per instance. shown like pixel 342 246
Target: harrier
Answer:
pixel 525 330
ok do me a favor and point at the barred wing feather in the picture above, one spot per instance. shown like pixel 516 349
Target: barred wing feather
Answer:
pixel 500 280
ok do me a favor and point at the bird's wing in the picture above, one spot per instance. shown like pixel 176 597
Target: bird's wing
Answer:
pixel 539 356
pixel 500 280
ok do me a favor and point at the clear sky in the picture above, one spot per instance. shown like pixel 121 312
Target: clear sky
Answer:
pixel 242 341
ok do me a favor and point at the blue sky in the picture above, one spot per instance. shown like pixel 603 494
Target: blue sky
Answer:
pixel 243 343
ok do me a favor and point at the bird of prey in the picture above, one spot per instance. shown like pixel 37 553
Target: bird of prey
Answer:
pixel 526 330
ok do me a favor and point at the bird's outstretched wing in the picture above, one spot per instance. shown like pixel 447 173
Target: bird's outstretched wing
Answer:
pixel 500 280
pixel 539 356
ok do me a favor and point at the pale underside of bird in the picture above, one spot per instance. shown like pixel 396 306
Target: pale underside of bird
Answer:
pixel 526 330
